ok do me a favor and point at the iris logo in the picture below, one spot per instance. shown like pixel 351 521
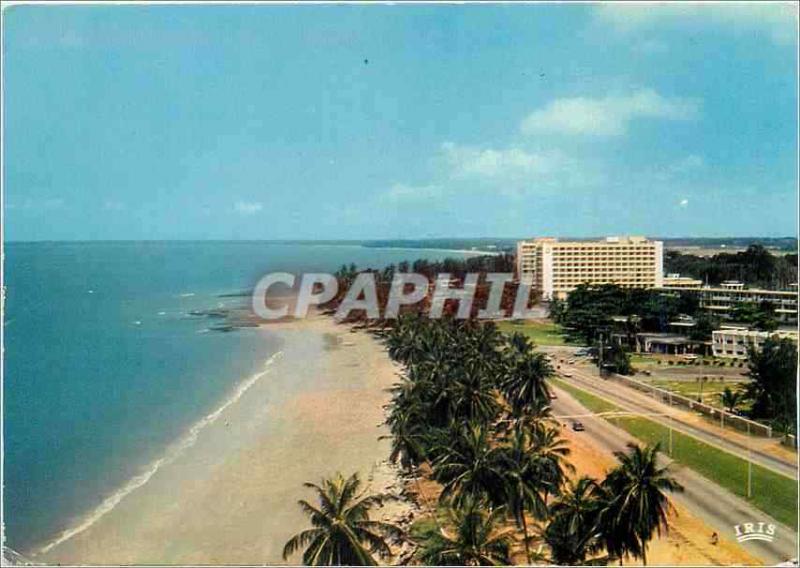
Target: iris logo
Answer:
pixel 755 531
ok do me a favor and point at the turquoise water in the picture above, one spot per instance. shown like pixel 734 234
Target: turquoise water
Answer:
pixel 104 368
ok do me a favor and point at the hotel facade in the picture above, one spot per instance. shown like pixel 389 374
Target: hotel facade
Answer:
pixel 555 268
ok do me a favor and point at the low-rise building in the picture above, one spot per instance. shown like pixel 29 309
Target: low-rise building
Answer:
pixel 736 342
pixel 674 280
pixel 668 344
pixel 723 299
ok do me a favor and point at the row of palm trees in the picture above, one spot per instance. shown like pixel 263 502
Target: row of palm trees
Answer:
pixel 472 409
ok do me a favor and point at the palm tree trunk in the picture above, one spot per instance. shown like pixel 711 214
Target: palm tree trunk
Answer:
pixel 525 535
pixel 644 555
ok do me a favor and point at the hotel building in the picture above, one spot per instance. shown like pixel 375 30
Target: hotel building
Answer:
pixel 555 267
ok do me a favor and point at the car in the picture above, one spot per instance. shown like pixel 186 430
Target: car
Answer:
pixel 571 361
pixel 577 426
pixel 553 396
pixel 567 375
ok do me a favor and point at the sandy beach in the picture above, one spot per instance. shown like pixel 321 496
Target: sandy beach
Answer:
pixel 230 498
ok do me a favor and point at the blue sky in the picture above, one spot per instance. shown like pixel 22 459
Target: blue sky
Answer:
pixel 333 121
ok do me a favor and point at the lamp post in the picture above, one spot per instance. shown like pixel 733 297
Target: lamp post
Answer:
pixel 749 465
pixel 670 423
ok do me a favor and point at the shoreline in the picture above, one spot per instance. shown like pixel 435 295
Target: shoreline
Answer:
pixel 230 497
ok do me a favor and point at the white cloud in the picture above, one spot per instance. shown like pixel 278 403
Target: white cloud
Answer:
pixel 684 203
pixel 468 161
pixel 607 116
pixel 777 19
pixel 247 208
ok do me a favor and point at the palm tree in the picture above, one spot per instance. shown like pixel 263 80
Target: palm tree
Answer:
pixel 524 382
pixel 636 502
pixel 730 399
pixel 520 344
pixel 471 537
pixel 573 533
pixel 342 532
pixel 523 483
pixel 550 453
pixel 472 398
pixel 468 466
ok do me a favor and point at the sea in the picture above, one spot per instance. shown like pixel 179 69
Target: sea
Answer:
pixel 106 373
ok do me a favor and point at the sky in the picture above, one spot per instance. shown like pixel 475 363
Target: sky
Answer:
pixel 391 121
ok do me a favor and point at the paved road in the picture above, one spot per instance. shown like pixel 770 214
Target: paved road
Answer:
pixel 636 401
pixel 718 508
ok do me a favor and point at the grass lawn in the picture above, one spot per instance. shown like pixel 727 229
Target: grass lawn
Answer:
pixel 773 493
pixel 541 333
pixel 712 389
pixel 701 364
pixel 593 403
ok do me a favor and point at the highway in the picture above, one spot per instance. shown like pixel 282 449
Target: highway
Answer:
pixel 718 508
pixel 638 402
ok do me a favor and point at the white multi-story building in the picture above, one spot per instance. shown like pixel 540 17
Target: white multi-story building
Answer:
pixel 723 299
pixel 735 342
pixel 555 268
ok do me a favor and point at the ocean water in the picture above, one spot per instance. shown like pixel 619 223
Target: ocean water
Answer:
pixel 105 371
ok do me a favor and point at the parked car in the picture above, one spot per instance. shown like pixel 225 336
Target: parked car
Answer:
pixel 571 361
pixel 567 375
pixel 578 426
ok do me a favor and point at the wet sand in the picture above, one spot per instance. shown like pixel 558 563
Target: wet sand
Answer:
pixel 231 497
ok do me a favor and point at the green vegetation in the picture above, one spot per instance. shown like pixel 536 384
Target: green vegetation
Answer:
pixel 591 402
pixel 773 493
pixel 541 333
pixel 473 537
pixel 709 388
pixel 759 316
pixel 342 532
pixel 592 312
pixel 473 404
pixel 773 369
pixel 755 267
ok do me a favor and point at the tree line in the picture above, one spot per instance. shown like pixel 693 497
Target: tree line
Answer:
pixel 589 311
pixel 472 413
pixel 756 267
